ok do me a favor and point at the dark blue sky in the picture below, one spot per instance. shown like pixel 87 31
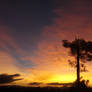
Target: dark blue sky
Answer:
pixel 25 20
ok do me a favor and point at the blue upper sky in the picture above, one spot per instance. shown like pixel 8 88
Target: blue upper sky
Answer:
pixel 26 19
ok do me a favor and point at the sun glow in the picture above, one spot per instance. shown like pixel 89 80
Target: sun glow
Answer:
pixel 53 78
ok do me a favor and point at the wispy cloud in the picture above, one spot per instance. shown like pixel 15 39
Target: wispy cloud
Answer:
pixel 9 50
pixel 5 78
pixel 73 19
pixel 49 60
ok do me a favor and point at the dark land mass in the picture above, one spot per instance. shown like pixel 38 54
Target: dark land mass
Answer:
pixel 42 89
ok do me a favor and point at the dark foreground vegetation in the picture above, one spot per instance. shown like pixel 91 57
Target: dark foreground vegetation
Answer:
pixel 43 89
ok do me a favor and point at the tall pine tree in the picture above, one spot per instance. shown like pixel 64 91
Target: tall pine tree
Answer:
pixel 82 51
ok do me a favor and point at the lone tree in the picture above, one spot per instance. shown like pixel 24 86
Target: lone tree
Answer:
pixel 82 51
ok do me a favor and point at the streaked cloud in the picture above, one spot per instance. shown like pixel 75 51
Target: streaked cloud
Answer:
pixel 5 78
pixel 48 62
pixel 73 20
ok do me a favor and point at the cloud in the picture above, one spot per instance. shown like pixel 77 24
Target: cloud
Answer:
pixel 35 83
pixel 7 41
pixel 5 78
pixel 73 19
pixel 49 60
pixel 10 53
pixel 8 63
pixel 59 84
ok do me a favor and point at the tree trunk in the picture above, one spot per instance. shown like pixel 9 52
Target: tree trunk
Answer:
pixel 78 68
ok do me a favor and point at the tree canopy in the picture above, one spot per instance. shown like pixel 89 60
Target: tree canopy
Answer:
pixel 85 48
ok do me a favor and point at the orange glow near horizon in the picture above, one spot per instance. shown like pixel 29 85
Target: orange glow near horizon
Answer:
pixel 68 78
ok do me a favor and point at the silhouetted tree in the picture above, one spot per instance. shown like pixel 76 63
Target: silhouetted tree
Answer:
pixel 82 50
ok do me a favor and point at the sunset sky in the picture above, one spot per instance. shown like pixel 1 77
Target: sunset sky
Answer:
pixel 31 34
